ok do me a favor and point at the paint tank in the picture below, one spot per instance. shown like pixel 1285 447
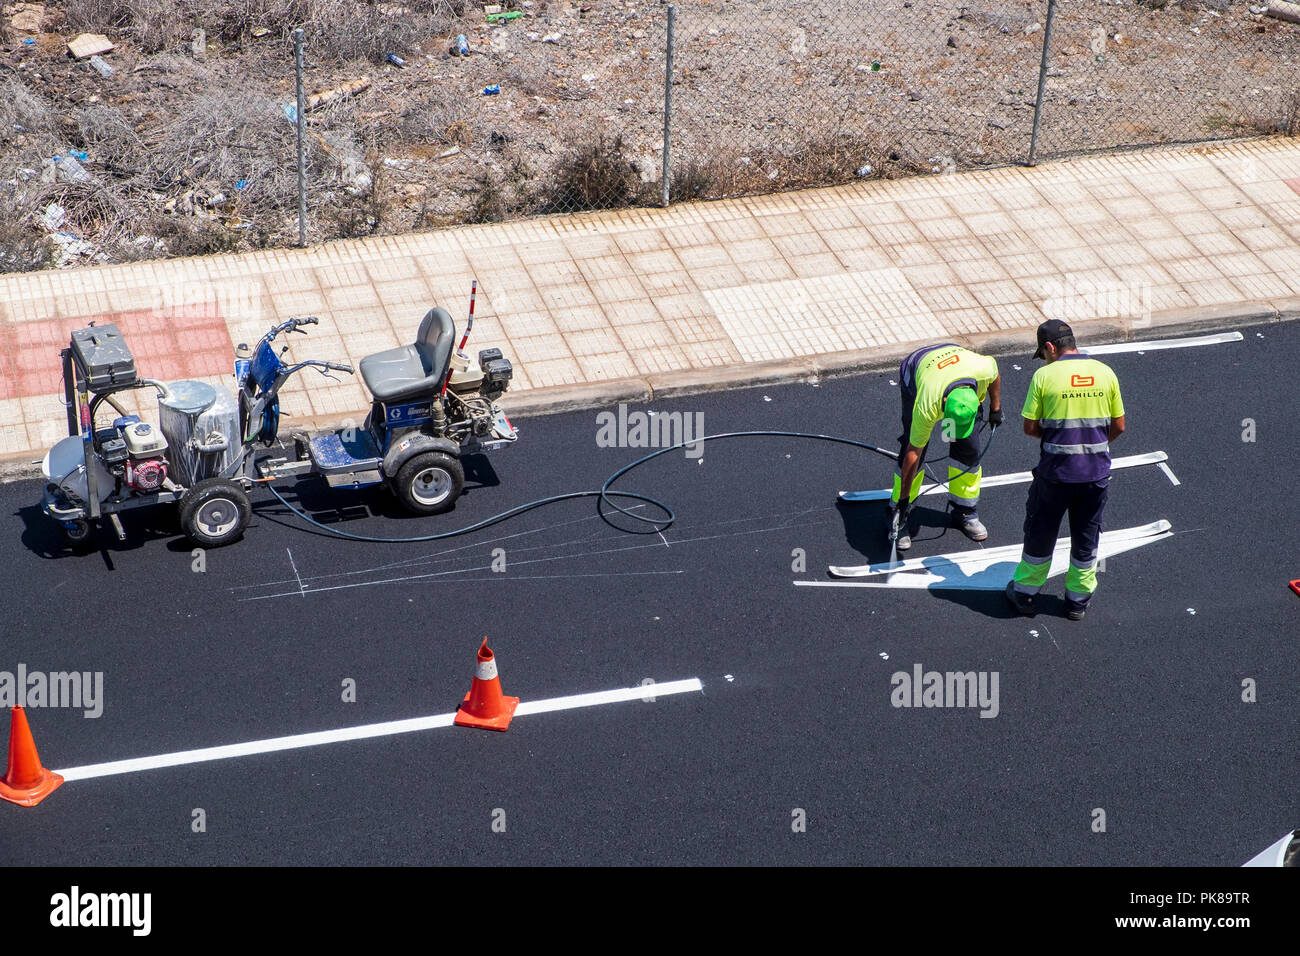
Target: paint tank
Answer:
pixel 201 423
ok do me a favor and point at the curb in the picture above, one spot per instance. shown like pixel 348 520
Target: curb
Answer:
pixel 811 368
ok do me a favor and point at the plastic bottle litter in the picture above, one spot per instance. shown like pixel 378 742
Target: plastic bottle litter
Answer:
pixel 78 154
pixel 101 66
pixel 492 90
pixel 462 45
pixel 67 169
pixel 875 66
pixel 396 60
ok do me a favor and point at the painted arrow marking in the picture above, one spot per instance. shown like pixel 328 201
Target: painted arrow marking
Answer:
pixel 993 481
pixel 984 570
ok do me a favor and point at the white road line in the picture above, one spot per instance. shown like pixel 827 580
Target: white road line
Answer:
pixel 989 569
pixel 386 729
pixel 1169 473
pixel 1217 339
pixel 1014 478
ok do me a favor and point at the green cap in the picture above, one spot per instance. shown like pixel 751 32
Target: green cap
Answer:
pixel 962 406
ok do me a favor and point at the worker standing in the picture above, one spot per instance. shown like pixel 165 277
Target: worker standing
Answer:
pixel 944 383
pixel 1074 408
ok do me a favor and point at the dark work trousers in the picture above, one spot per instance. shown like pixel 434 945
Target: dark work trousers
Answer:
pixel 1048 502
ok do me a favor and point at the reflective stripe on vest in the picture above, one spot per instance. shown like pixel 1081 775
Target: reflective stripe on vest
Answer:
pixel 1076 422
pixel 1091 449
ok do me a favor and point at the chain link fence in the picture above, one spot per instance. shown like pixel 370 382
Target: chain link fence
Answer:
pixel 1167 71
pixel 425 113
pixel 779 93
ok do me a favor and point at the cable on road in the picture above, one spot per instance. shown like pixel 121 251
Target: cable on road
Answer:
pixel 607 495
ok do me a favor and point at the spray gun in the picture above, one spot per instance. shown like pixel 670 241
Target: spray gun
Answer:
pixel 900 520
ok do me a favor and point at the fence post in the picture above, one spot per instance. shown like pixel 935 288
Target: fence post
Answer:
pixel 302 141
pixel 668 101
pixel 1042 82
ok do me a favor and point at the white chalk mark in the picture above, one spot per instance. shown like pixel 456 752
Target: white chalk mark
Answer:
pixel 365 732
pixel 429 579
pixel 1013 478
pixel 301 587
pixel 985 570
pixel 439 556
pixel 563 557
pixel 1219 338
pixel 1169 473
pixel 1053 637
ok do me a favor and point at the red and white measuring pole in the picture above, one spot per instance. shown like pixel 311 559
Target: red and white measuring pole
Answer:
pixel 469 325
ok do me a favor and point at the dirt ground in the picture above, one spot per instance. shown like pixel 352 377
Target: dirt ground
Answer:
pixel 188 148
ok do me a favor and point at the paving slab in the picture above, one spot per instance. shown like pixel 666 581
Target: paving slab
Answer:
pixel 600 306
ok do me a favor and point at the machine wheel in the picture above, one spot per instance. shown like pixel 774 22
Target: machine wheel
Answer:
pixel 215 512
pixel 77 532
pixel 429 484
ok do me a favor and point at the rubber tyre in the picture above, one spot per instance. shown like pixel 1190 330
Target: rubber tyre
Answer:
pixel 215 512
pixel 430 483
pixel 82 538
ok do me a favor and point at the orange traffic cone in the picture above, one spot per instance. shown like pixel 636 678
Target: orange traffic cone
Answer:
pixel 484 705
pixel 1295 586
pixel 26 782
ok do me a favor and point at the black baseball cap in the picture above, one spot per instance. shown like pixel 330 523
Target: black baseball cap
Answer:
pixel 1050 331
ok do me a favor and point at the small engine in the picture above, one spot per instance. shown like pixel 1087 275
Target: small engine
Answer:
pixel 146 468
pixel 497 373
pixel 146 475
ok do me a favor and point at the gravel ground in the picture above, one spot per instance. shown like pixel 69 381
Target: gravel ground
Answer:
pixel 189 153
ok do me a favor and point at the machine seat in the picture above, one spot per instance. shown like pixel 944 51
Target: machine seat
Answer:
pixel 412 372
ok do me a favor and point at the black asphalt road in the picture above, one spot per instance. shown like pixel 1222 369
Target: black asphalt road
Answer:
pixel 1136 711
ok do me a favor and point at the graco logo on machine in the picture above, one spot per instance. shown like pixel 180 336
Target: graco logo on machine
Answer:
pixel 75 689
pixel 651 430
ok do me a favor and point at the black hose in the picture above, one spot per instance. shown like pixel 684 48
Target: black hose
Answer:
pixel 605 494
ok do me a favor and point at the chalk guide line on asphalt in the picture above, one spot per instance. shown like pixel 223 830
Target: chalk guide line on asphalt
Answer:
pixel 367 731
pixel 437 576
pixel 1013 478
pixel 984 570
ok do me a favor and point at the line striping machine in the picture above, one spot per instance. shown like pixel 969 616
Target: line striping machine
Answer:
pixel 431 405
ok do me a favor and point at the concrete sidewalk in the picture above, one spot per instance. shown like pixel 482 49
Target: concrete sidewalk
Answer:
pixel 627 304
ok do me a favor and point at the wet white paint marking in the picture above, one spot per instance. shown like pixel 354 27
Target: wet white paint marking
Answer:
pixel 1013 478
pixel 1219 338
pixel 984 570
pixel 367 731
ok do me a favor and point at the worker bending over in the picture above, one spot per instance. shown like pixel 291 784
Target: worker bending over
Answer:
pixel 944 383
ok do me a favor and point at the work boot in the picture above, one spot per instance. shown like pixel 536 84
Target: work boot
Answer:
pixel 968 520
pixel 1024 603
pixel 904 541
pixel 1075 612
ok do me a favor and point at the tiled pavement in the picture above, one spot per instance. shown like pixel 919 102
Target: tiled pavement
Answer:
pixel 703 286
